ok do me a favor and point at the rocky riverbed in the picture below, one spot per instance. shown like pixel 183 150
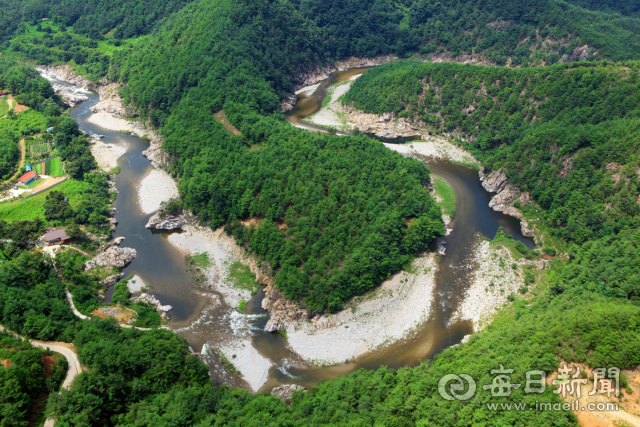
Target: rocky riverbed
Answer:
pixel 492 281
pixel 382 316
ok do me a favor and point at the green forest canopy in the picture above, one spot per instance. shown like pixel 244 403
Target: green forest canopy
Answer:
pixel 568 134
pixel 314 192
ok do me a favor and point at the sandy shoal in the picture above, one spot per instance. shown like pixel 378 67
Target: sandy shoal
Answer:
pixel 107 155
pixel 107 121
pixel 155 188
pixel 385 315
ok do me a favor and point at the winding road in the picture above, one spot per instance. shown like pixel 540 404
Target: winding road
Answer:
pixel 64 349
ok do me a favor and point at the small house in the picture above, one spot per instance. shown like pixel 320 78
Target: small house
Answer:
pixel 57 236
pixel 28 178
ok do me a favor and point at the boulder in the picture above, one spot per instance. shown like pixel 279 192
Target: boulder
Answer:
pixel 273 325
pixel 286 391
pixel 153 301
pixel 112 257
pixel 162 221
pixel 112 280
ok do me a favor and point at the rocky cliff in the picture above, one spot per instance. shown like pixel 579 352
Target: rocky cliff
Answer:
pixel 497 182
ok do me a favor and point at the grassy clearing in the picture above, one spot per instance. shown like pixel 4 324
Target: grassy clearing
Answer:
pixel 33 207
pixel 35 183
pixel 197 265
pixel 446 193
pixel 4 106
pixel 240 276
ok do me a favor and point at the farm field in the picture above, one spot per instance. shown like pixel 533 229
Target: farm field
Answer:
pixel 35 183
pixel 33 207
pixel 51 167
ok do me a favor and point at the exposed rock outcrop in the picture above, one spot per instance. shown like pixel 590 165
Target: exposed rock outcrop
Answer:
pixel 502 201
pixel 110 101
pixel 285 314
pixel 159 158
pixel 164 221
pixel 153 301
pixel 382 125
pixel 580 53
pixel 496 182
pixel 286 391
pixel 324 71
pixel 112 280
pixel 112 257
pixel 65 73
pixel 70 96
pixel 114 242
pixel 288 103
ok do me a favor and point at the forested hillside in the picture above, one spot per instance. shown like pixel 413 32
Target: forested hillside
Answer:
pixel 27 376
pixel 568 134
pixel 340 214
pixel 138 378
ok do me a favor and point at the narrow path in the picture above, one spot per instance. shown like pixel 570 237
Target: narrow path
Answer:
pixel 78 250
pixel 65 349
pixel 73 307
pixel 82 316
pixel 23 153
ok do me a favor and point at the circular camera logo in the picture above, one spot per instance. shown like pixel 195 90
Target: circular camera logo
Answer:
pixel 452 387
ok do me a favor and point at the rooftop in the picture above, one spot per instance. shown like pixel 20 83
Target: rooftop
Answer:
pixel 27 176
pixel 60 233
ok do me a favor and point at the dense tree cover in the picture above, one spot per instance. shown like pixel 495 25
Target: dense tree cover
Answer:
pixel 141 378
pixel 126 365
pixel 23 377
pixel 568 134
pixel 32 300
pixel 624 7
pixel 610 266
pixel 334 210
pixel 123 19
pixel 73 147
pixel 48 44
pixel 28 87
pixel 499 30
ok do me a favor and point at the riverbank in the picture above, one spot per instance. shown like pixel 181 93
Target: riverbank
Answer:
pixel 222 252
pixel 492 282
pixel 390 312
pixel 332 114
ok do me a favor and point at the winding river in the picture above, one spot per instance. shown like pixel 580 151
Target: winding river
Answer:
pixel 201 316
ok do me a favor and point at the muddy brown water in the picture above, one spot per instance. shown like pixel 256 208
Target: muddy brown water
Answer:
pixel 197 316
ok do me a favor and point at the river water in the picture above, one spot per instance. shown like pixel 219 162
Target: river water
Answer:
pixel 202 317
